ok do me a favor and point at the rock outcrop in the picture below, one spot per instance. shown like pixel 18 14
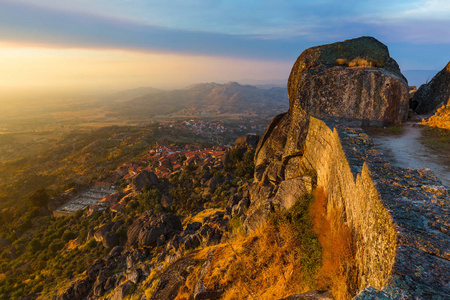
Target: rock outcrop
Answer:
pixel 106 234
pixel 150 226
pixel 433 94
pixel 354 79
pixel 247 141
pixel 399 216
pixel 144 178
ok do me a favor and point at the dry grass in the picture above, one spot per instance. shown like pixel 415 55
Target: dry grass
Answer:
pixel 277 260
pixel 283 257
pixel 441 119
pixel 341 62
pixel 200 216
pixel 338 270
pixel 359 62
pixel 264 265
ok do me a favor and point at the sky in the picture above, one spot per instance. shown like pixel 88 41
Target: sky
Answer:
pixel 108 45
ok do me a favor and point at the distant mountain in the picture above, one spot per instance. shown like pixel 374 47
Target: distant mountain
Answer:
pixel 419 77
pixel 208 100
pixel 132 93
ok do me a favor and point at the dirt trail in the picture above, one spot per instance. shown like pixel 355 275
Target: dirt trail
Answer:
pixel 407 151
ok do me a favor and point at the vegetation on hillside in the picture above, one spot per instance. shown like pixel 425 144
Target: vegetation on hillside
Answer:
pixel 295 251
pixel 41 255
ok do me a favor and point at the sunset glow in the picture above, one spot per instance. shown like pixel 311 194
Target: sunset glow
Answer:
pixel 111 45
pixel 99 70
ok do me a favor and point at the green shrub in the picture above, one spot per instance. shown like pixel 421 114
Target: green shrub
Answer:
pixel 299 219
pixel 68 235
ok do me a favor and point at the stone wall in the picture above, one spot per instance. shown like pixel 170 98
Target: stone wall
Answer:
pixel 357 198
pixel 400 216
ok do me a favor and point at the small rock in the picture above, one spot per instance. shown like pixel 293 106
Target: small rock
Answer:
pixel 133 276
pixel 194 226
pixel 122 290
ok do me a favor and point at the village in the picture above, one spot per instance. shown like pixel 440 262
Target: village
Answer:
pixel 212 129
pixel 162 161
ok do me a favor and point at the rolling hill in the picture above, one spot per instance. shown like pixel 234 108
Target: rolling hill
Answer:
pixel 207 100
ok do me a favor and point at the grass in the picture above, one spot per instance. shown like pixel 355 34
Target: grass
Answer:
pixel 273 262
pixel 295 251
pixel 395 129
pixel 359 62
pixel 441 119
pixel 437 139
pixel 235 225
pixel 200 216
pixel 341 62
pixel 338 271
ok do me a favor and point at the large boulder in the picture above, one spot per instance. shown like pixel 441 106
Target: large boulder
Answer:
pixel 248 141
pixel 106 234
pixel 261 206
pixel 144 178
pixel 122 290
pixel 355 79
pixel 433 94
pixel 150 226
pixel 77 291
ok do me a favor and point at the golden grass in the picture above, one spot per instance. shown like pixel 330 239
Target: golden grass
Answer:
pixel 359 62
pixel 199 217
pixel 441 119
pixel 338 270
pixel 270 263
pixel 341 62
pixel 258 266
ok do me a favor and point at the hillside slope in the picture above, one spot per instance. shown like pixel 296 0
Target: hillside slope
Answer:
pixel 208 100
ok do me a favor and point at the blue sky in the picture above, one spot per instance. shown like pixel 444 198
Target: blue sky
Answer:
pixel 416 32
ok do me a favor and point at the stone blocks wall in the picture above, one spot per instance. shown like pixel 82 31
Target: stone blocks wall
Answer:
pixel 401 217
pixel 357 198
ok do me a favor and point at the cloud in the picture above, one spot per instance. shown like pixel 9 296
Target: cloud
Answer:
pixel 274 30
pixel 24 23
pixel 430 9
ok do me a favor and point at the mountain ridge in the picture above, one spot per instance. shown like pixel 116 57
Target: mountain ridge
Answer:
pixel 208 99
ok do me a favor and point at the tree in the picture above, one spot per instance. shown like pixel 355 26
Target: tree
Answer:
pixel 40 198
pixel 68 235
pixel 34 246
